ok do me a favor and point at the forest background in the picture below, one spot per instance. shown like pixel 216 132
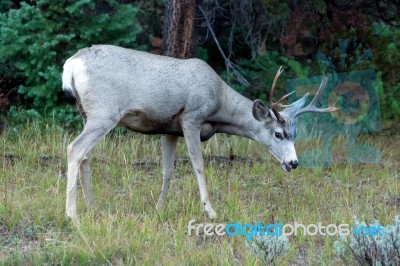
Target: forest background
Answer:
pixel 244 41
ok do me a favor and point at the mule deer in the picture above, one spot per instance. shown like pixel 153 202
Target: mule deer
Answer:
pixel 154 94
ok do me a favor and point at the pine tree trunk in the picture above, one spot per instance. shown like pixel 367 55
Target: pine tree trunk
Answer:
pixel 179 30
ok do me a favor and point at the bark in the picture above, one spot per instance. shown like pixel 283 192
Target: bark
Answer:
pixel 179 29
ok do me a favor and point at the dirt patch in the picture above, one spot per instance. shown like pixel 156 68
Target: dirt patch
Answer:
pixel 10 158
pixel 393 201
pixel 19 238
pixel 147 165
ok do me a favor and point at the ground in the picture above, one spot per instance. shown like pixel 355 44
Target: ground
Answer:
pixel 124 228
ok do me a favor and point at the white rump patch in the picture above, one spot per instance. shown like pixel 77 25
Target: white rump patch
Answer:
pixel 74 76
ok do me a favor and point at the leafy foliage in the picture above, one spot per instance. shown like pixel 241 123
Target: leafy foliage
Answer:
pixel 261 71
pixel 372 49
pixel 257 35
pixel 37 38
pixel 386 40
pixel 299 32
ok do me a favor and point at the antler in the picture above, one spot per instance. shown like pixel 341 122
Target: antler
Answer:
pixel 277 104
pixel 312 106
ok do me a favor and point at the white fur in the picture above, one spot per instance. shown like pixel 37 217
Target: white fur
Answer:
pixel 75 76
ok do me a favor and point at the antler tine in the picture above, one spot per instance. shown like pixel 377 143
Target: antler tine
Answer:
pixel 279 104
pixel 271 94
pixel 312 106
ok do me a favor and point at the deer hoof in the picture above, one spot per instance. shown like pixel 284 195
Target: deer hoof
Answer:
pixel 210 214
pixel 160 205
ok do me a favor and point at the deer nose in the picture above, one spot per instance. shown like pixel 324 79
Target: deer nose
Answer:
pixel 294 164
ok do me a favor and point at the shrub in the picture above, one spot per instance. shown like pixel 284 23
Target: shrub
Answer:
pixel 269 248
pixel 37 38
pixel 367 249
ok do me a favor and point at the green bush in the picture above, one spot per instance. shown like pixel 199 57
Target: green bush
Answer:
pixel 37 38
pixel 386 40
pixel 260 73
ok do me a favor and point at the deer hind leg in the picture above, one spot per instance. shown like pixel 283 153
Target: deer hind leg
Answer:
pixel 192 138
pixel 84 174
pixel 168 144
pixel 93 131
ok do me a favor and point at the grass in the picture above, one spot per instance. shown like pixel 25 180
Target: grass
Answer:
pixel 124 227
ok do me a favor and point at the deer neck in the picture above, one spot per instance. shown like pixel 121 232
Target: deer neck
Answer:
pixel 236 115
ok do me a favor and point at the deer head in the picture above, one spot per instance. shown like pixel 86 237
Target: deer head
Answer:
pixel 280 126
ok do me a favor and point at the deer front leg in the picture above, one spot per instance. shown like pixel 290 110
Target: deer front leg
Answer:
pixel 168 147
pixel 192 138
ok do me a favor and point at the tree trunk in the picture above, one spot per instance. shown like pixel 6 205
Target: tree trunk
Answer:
pixel 179 30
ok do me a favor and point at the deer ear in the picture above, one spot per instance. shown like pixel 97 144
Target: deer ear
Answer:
pixel 260 111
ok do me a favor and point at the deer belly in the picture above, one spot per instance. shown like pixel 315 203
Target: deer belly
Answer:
pixel 141 122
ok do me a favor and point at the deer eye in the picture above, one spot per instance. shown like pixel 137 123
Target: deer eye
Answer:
pixel 278 135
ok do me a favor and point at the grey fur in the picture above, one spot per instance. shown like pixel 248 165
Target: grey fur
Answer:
pixel 155 94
